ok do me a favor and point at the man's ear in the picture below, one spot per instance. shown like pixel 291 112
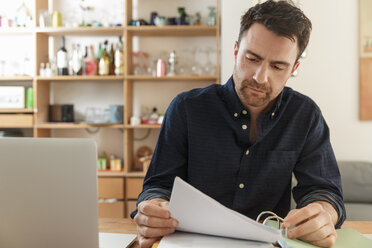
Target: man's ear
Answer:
pixel 296 65
pixel 236 49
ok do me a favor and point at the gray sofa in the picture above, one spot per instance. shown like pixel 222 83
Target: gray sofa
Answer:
pixel 357 188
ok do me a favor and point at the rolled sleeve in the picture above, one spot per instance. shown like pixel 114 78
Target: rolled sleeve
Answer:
pixel 152 193
pixel 321 195
pixel 317 172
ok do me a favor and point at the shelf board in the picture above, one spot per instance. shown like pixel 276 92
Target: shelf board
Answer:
pixel 135 174
pixel 91 31
pixel 80 78
pixel 15 111
pixel 211 78
pixel 173 30
pixel 17 78
pixel 61 125
pixel 146 126
pixel 110 173
pixel 16 30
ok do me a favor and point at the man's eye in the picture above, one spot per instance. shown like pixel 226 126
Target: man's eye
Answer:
pixel 277 68
pixel 252 59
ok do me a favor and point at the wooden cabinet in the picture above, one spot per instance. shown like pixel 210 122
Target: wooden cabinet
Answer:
pixel 111 209
pixel 110 188
pixel 124 186
pixel 133 187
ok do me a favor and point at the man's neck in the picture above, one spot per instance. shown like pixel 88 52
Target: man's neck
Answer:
pixel 255 112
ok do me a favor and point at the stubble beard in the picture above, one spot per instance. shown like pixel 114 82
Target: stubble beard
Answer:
pixel 251 99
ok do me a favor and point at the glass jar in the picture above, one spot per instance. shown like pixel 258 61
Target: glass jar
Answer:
pixel 212 16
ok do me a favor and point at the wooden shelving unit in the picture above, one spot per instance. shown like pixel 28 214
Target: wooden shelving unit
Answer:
pixel 173 30
pixel 81 31
pixel 144 126
pixel 16 78
pixel 127 184
pixel 75 125
pixel 211 78
pixel 80 78
pixel 16 111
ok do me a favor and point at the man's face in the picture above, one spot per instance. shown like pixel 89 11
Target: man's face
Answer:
pixel 263 63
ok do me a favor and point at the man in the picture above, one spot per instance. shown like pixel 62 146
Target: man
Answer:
pixel 239 143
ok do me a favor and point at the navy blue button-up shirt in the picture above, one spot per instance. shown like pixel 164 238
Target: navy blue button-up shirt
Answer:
pixel 205 140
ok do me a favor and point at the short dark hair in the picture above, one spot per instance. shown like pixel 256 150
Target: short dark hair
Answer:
pixel 282 18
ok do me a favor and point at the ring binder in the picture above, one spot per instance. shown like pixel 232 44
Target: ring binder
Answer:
pixel 272 215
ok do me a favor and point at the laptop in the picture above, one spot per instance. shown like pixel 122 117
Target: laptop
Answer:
pixel 48 193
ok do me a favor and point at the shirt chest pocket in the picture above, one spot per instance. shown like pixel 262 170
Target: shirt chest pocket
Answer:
pixel 275 165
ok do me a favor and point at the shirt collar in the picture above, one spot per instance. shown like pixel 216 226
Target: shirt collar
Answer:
pixel 236 107
pixel 231 98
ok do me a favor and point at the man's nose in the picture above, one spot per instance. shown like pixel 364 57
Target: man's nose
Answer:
pixel 261 74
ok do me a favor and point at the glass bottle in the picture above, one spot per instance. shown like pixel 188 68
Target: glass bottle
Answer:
pixel 62 61
pixel 90 62
pixel 104 62
pixel 112 59
pixel 119 64
pixel 212 16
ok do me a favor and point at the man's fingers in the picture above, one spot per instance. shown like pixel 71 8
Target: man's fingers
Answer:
pixel 156 209
pixel 151 221
pixel 146 242
pixel 302 215
pixel 319 235
pixel 327 242
pixel 309 226
pixel 157 232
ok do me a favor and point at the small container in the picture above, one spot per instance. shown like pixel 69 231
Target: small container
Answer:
pixel 135 120
pixel 160 68
pixel 30 98
pixel 115 164
pixel 57 19
pixel 102 164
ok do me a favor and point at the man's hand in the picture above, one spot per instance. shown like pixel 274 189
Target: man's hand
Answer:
pixel 314 223
pixel 153 221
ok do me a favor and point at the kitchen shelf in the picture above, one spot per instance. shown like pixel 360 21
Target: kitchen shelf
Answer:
pixel 16 111
pixel 144 126
pixel 81 78
pixel 172 78
pixel 16 78
pixel 67 125
pixel 81 31
pixel 110 173
pixel 172 30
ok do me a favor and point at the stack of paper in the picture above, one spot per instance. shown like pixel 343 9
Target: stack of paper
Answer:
pixel 198 213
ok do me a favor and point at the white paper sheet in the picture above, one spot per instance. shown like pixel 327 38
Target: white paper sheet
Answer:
pixel 116 240
pixel 193 240
pixel 199 213
pixel 368 236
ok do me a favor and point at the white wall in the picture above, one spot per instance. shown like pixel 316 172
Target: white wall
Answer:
pixel 329 74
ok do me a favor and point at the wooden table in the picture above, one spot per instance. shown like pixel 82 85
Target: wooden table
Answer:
pixel 128 226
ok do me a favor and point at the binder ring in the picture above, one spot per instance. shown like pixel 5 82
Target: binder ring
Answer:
pixel 272 216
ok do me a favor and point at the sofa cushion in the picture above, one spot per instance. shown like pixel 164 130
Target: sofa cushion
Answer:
pixel 358 211
pixel 356 181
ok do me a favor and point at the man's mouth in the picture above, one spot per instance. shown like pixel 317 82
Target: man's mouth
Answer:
pixel 255 90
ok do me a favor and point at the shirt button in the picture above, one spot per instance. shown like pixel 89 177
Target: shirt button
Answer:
pixel 246 152
pixel 244 127
pixel 273 114
pixel 236 115
pixel 244 112
pixel 241 186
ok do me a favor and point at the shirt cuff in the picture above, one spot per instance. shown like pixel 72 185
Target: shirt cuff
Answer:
pixel 151 194
pixel 322 195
